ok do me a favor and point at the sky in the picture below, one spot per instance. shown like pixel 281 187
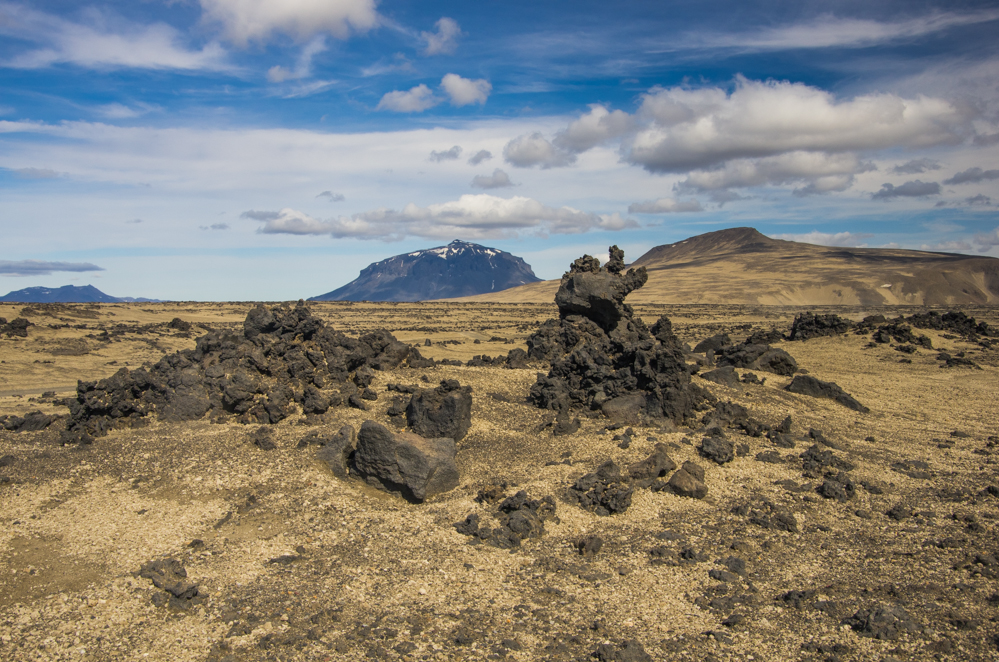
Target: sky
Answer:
pixel 259 150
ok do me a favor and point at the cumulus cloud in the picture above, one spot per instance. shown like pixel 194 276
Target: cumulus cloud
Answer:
pixel 688 129
pixel 535 150
pixel 973 176
pixel 916 167
pixel 478 216
pixel 331 196
pixel 595 127
pixel 823 172
pixel 446 155
pixel 498 179
pixel 464 91
pixel 101 40
pixel 913 189
pixel 414 100
pixel 480 156
pixel 445 39
pixel 664 206
pixel 256 20
pixel 40 268
pixel 843 239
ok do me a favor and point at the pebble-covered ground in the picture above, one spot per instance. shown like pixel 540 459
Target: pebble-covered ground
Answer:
pixel 283 561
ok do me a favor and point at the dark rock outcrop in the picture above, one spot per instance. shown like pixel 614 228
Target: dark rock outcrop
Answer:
pixel 816 388
pixel 405 463
pixel 285 360
pixel 809 325
pixel 602 358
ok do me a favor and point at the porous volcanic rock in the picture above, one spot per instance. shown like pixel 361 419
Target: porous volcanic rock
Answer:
pixel 284 360
pixel 757 356
pixel 809 325
pixel 405 463
pixel 602 357
pixel 816 388
pixel 445 411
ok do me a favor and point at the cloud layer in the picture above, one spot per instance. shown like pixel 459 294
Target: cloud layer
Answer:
pixel 40 268
pixel 473 216
pixel 257 20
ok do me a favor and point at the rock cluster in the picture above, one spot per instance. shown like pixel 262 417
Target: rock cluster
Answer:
pixel 602 357
pixel 609 490
pixel 171 576
pixel 285 360
pixel 17 328
pixel 519 518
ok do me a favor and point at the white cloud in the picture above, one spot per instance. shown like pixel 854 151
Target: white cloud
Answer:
pixel 987 240
pixel 823 172
pixel 498 179
pixel 480 156
pixel 478 216
pixel 415 100
pixel 827 31
pixel 104 41
pixel 691 129
pixel 664 206
pixel 119 111
pixel 595 127
pixel 249 20
pixel 843 239
pixel 445 40
pixel 446 155
pixel 464 91
pixel 955 245
pixel 535 150
pixel 303 68
pixel 40 268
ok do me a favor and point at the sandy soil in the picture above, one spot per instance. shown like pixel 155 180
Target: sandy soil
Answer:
pixel 294 564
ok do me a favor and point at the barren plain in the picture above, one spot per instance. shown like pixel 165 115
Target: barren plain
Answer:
pixel 292 563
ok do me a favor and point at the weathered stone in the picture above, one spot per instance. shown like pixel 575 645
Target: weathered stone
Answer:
pixel 336 451
pixel 442 412
pixel 405 463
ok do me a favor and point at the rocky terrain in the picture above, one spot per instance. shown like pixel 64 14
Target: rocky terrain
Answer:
pixel 743 266
pixel 456 270
pixel 583 480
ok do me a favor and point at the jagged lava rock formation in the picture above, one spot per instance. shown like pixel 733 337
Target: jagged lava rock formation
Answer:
pixel 602 357
pixel 457 270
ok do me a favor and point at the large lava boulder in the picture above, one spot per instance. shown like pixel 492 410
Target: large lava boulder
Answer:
pixel 816 388
pixel 405 463
pixel 445 411
pixel 809 325
pixel 602 357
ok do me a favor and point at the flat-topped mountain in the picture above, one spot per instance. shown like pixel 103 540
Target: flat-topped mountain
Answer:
pixel 66 294
pixel 743 266
pixel 457 270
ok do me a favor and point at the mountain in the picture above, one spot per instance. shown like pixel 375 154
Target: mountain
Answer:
pixel 743 266
pixel 67 294
pixel 457 270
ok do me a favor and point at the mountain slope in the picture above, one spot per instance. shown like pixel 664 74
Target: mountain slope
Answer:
pixel 456 270
pixel 743 266
pixel 64 294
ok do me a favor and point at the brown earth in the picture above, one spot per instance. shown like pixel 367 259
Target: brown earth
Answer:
pixel 294 564
pixel 742 266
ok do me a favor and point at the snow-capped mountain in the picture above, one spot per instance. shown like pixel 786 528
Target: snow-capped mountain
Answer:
pixel 456 270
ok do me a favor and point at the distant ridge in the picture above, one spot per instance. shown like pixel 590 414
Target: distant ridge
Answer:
pixel 456 270
pixel 743 266
pixel 67 294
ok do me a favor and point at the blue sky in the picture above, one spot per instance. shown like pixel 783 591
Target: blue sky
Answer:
pixel 256 150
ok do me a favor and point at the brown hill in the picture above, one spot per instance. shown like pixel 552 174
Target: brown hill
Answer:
pixel 743 266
